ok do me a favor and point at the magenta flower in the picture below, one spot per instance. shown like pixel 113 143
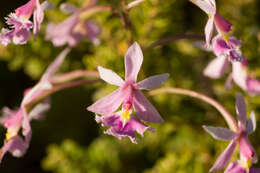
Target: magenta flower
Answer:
pixel 222 25
pixel 13 121
pixel 230 52
pixel 129 95
pixel 121 130
pixel 72 30
pixel 20 25
pixel 247 152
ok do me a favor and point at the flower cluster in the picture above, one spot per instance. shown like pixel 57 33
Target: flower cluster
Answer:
pixel 20 25
pixel 72 30
pixel 14 120
pixel 247 152
pixel 123 123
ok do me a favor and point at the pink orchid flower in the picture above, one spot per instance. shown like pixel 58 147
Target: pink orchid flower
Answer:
pixel 230 52
pixel 129 95
pixel 236 167
pixel 222 25
pixel 13 121
pixel 247 152
pixel 21 25
pixel 72 30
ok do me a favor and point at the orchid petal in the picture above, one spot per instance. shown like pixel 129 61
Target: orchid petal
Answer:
pixel 217 67
pixel 110 103
pixel 241 111
pixel 68 8
pixel 220 133
pixel 229 82
pixel 222 25
pixel 208 6
pixel 110 77
pixel 16 146
pixel 251 124
pixel 133 62
pixel 39 110
pixel 224 158
pixel 38 16
pixel 144 109
pixel 253 86
pixel 235 167
pixel 246 149
pixel 239 74
pixel 152 82
pixel 47 5
pixel 209 30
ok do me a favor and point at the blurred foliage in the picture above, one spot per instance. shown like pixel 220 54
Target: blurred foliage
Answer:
pixel 76 142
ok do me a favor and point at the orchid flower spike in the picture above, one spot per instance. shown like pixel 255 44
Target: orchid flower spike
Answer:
pixel 222 25
pixel 123 123
pixel 20 25
pixel 247 152
pixel 230 52
pixel 72 30
pixel 13 121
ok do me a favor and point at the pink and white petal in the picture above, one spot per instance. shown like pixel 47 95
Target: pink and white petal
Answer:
pixel 239 74
pixel 246 149
pixel 209 30
pixel 229 82
pixel 208 6
pixel 110 103
pixel 39 110
pixel 26 128
pixel 93 31
pixel 26 9
pixel 220 46
pixel 144 109
pixel 152 82
pixel 138 126
pixel 241 111
pixel 224 158
pixel 253 86
pixel 16 146
pixel 235 167
pixel 6 114
pixel 38 16
pixel 217 67
pixel 47 5
pixel 222 25
pixel 53 67
pixel 251 124
pixel 133 62
pixel 110 77
pixel 220 133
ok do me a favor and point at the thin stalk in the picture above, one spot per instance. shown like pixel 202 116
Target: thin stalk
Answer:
pixel 57 79
pixel 57 88
pixel 226 115
pixel 175 38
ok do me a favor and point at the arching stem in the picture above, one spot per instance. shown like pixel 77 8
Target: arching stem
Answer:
pixel 226 115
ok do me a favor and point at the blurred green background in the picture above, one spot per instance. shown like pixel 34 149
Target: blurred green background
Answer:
pixel 68 140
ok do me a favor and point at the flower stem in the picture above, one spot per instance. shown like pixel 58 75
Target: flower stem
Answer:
pixel 58 79
pixel 174 38
pixel 57 88
pixel 226 115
